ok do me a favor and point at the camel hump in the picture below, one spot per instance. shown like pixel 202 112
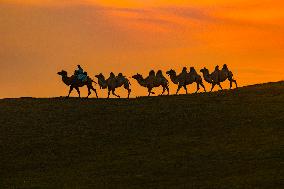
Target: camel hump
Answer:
pixel 111 74
pixel 159 73
pixel 225 67
pixel 152 73
pixel 192 69
pixel 217 68
pixel 215 75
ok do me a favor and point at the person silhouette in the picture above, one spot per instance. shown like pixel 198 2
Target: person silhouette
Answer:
pixel 80 74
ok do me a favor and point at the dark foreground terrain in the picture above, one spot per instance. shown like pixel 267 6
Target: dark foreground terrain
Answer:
pixel 230 139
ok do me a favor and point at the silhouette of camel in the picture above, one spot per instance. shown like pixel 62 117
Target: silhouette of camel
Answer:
pixel 184 79
pixel 218 76
pixel 113 82
pixel 75 83
pixel 153 81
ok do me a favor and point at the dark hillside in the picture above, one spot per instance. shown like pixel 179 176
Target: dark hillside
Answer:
pixel 230 139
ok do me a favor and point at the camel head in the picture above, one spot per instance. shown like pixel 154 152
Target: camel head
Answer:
pixel 204 70
pixel 137 76
pixel 100 76
pixel 62 73
pixel 171 72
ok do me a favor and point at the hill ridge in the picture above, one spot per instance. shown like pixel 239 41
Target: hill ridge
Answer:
pixel 259 85
pixel 229 139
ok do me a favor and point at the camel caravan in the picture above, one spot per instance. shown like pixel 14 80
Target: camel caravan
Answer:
pixel 153 80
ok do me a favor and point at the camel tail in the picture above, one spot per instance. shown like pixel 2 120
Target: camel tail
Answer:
pixel 128 82
pixel 231 75
pixel 93 81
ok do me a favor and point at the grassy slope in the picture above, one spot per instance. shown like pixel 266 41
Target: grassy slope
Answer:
pixel 229 139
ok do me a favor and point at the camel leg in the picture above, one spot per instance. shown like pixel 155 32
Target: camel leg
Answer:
pixel 232 81
pixel 220 86
pixel 78 91
pixel 235 83
pixel 108 93
pixel 164 89
pixel 89 92
pixel 179 87
pixel 70 90
pixel 202 85
pixel 129 91
pixel 185 88
pixel 115 94
pixel 213 85
pixel 197 89
pixel 150 91
pixel 168 90
pixel 231 84
pixel 95 91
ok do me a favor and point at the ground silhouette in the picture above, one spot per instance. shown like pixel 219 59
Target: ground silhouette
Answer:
pixel 226 139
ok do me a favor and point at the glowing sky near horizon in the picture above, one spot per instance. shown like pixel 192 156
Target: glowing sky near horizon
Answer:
pixel 40 37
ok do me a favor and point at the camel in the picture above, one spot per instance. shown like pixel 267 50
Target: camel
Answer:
pixel 153 81
pixel 75 83
pixel 113 82
pixel 218 76
pixel 185 78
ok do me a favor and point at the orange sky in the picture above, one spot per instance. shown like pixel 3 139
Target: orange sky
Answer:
pixel 38 38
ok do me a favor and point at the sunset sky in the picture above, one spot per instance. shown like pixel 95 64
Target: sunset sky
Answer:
pixel 38 38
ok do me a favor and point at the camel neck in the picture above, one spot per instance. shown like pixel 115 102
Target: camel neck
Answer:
pixel 174 78
pixel 102 83
pixel 142 82
pixel 207 77
pixel 66 80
